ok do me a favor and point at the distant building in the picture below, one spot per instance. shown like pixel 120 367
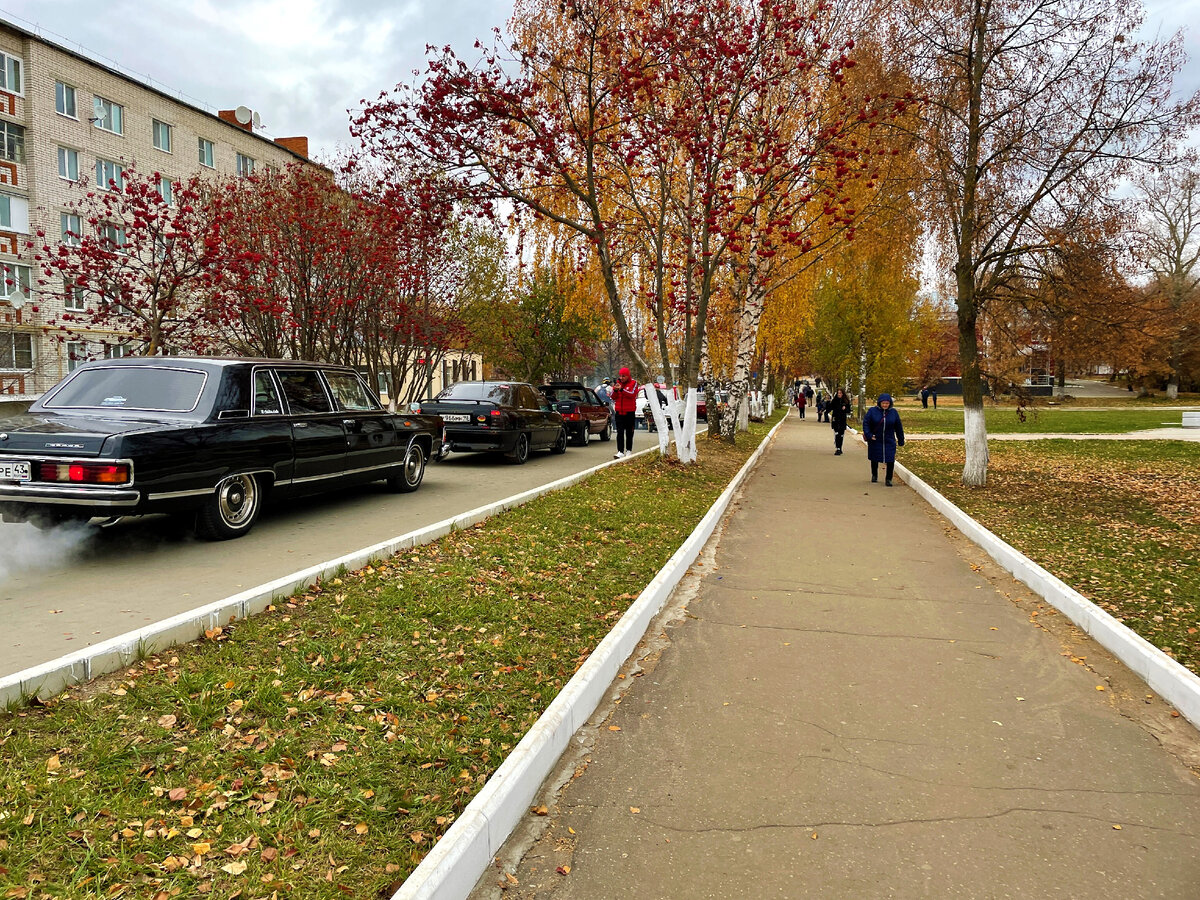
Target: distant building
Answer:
pixel 63 118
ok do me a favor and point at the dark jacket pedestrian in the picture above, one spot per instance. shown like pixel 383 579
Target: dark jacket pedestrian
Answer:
pixel 838 412
pixel 820 405
pixel 884 432
pixel 624 397
pixel 925 398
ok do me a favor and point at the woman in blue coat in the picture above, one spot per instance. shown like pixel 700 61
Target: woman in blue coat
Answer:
pixel 883 432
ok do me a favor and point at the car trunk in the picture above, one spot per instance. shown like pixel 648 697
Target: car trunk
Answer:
pixel 58 435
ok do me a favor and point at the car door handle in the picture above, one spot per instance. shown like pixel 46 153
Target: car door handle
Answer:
pixel 349 423
pixel 299 424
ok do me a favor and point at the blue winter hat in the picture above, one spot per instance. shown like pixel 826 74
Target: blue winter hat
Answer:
pixel 887 397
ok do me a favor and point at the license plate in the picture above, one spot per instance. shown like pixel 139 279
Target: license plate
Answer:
pixel 456 417
pixel 15 471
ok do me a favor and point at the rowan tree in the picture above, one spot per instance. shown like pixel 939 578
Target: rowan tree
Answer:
pixel 141 269
pixel 1034 110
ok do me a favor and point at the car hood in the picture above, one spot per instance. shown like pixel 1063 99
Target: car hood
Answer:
pixel 77 435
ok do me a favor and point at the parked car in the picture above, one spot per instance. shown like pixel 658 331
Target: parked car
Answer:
pixel 582 411
pixel 209 437
pixel 499 416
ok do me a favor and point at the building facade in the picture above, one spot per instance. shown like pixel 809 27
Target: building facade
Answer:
pixel 66 122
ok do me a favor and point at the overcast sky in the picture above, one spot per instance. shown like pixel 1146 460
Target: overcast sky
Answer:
pixel 302 63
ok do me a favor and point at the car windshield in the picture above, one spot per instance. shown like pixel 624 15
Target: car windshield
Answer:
pixel 145 388
pixel 477 390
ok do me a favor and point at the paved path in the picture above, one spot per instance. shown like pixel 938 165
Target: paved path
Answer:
pixel 852 707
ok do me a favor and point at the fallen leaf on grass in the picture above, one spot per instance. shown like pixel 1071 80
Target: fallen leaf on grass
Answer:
pixel 234 868
pixel 362 828
pixel 167 721
pixel 177 794
pixel 53 764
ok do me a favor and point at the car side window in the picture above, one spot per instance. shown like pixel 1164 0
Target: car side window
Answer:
pixel 304 391
pixel 349 392
pixel 266 395
pixel 528 398
pixel 578 395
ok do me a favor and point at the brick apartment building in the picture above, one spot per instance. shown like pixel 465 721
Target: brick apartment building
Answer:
pixel 63 118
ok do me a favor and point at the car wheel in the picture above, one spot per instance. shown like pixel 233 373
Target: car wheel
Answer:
pixel 520 450
pixel 606 432
pixel 585 434
pixel 412 470
pixel 231 510
pixel 560 443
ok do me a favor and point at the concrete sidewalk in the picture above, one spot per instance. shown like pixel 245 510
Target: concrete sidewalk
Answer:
pixel 856 705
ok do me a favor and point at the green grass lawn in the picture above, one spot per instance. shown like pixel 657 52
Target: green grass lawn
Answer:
pixel 1117 520
pixel 1005 420
pixel 320 749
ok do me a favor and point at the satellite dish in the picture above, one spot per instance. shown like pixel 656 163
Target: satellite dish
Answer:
pixel 257 121
pixel 17 300
pixel 243 115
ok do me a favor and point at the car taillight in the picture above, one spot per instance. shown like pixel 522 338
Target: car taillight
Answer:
pixel 84 473
pixel 495 412
pixel 571 417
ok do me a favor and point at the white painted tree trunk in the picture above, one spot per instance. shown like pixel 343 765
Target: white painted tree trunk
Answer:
pixel 975 433
pixel 685 434
pixel 660 420
pixel 770 405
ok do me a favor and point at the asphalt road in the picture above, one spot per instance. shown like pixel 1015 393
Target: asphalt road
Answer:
pixel 63 590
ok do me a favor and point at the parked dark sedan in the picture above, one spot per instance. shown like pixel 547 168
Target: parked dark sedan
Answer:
pixel 209 437
pixel 500 416
pixel 582 411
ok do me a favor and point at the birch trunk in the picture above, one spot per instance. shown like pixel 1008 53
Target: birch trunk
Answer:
pixel 660 419
pixel 685 436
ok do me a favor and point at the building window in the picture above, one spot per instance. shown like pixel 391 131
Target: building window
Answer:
pixel 109 116
pixel 116 351
pixel 10 73
pixel 72 229
pixel 74 298
pixel 166 189
pixel 64 100
pixel 245 165
pixel 14 213
pixel 109 175
pixel 206 153
pixel 12 142
pixel 15 281
pixel 76 354
pixel 16 351
pixel 162 135
pixel 68 163
pixel 113 237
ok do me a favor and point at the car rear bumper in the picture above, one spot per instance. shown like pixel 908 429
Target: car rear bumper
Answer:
pixel 466 440
pixel 63 495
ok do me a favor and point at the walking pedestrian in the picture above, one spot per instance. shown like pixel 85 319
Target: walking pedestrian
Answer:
pixel 933 395
pixel 624 398
pixel 838 412
pixel 883 432
pixel 801 402
pixel 604 392
pixel 925 397
pixel 821 406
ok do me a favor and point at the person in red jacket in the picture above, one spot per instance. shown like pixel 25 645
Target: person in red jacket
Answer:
pixel 624 397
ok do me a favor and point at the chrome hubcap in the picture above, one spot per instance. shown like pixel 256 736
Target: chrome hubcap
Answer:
pixel 238 498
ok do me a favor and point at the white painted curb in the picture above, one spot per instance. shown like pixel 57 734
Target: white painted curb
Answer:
pixel 1173 682
pixel 454 865
pixel 51 678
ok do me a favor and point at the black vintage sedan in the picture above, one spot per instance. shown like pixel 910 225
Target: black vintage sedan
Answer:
pixel 504 416
pixel 206 437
